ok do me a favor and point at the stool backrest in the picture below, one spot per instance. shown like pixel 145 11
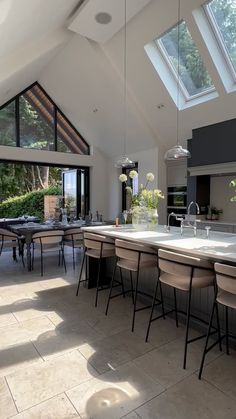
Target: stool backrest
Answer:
pixel 7 235
pixel 131 251
pixel 226 277
pixel 181 265
pixel 74 234
pixel 48 237
pixel 96 241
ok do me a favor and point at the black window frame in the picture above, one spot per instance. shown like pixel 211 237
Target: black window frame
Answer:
pixel 124 193
pixel 56 110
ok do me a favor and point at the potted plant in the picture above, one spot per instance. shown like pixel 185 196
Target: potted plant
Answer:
pixel 215 213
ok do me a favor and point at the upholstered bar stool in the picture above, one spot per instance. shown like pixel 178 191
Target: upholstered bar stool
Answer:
pixel 132 257
pixel 73 237
pixel 225 295
pixel 182 273
pixel 98 247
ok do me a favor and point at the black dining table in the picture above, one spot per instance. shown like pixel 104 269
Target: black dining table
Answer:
pixel 5 222
pixel 26 230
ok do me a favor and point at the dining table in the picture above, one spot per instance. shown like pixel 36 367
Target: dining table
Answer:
pixel 26 231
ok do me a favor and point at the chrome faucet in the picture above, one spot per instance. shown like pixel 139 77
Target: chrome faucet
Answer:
pixel 177 217
pixel 190 205
pixel 172 214
pixel 187 223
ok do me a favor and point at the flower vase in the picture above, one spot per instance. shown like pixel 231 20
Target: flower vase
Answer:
pixel 140 218
pixel 153 219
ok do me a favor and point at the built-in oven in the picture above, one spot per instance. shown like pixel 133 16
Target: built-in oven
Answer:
pixel 176 202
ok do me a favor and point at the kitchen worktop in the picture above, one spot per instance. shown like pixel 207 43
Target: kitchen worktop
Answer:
pixel 219 247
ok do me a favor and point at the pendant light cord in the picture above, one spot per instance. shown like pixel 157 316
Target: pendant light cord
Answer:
pixel 125 75
pixel 178 70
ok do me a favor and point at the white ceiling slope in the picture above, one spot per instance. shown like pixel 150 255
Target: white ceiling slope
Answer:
pixel 87 89
pixel 86 24
pixel 86 79
pixel 31 31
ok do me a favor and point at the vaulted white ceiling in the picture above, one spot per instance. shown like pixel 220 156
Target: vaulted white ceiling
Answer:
pixel 85 78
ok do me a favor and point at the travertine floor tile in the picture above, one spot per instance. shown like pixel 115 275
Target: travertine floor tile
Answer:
pixel 114 394
pixel 191 398
pixel 40 382
pixel 58 407
pixel 222 373
pixel 161 332
pixel 65 339
pixel 115 350
pixel 17 356
pixel 7 406
pixel 6 319
pixel 165 364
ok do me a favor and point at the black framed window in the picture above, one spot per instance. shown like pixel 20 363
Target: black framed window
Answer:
pixel 8 125
pixel 75 189
pixel 126 202
pixel 32 120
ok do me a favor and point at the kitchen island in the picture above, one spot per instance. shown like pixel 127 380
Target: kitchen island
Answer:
pixel 220 247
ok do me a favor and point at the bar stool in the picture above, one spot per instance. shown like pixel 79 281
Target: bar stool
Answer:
pixel 73 237
pixel 132 257
pixel 225 295
pixel 98 247
pixel 182 273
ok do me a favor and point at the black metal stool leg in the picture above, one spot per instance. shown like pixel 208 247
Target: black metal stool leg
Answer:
pixel 98 279
pixel 153 305
pixel 187 327
pixel 110 292
pixel 81 270
pixel 176 310
pixel 162 300
pixel 131 285
pixel 218 326
pixel 73 255
pixel 122 283
pixel 207 339
pixel 135 297
pixel 227 329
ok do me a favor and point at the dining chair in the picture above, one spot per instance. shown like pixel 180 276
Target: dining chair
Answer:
pixel 73 237
pixel 99 247
pixel 183 273
pixel 49 241
pixel 9 240
pixel 132 257
pixel 225 296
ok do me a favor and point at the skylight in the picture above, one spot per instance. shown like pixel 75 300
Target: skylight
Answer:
pixel 194 77
pixel 222 16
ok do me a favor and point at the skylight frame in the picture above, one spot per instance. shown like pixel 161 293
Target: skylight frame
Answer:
pixel 219 38
pixel 159 44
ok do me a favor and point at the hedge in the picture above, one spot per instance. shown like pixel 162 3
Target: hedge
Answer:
pixel 31 203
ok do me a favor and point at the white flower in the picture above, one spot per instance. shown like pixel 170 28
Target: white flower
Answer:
pixel 141 186
pixel 123 178
pixel 150 177
pixel 133 174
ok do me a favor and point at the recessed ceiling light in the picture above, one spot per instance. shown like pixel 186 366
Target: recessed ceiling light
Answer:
pixel 103 18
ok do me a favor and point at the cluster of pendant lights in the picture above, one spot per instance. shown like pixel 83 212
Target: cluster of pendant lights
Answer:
pixel 175 153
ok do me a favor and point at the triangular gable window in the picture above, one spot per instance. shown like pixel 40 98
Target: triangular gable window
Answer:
pixel 32 120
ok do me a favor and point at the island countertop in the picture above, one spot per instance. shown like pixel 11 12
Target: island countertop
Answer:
pixel 220 247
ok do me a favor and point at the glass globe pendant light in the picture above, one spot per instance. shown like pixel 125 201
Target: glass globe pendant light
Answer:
pixel 124 161
pixel 177 152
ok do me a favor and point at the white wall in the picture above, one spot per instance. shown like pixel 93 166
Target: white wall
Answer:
pixel 220 196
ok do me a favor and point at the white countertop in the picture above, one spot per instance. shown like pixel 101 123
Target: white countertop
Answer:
pixel 219 247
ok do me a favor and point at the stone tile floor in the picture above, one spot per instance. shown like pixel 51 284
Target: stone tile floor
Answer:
pixel 60 357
